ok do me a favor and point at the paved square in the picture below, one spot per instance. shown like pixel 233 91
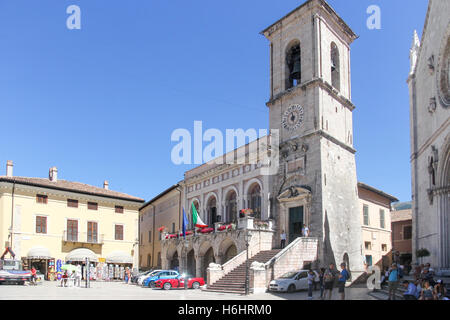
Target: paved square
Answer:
pixel 122 291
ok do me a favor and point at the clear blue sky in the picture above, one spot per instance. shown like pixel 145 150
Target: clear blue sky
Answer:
pixel 101 102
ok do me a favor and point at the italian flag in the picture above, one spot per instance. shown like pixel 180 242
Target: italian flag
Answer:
pixel 196 219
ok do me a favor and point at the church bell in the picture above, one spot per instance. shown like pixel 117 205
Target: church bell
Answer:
pixel 296 71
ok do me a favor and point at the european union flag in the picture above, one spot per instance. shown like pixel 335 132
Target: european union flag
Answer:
pixel 185 223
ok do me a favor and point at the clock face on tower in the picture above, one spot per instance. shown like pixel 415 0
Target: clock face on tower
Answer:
pixel 293 117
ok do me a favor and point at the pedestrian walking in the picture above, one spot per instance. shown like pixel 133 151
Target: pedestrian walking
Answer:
pixel 78 276
pixel 305 231
pixel 283 239
pixel 33 276
pixel 343 277
pixel 393 281
pixel 329 278
pixel 128 275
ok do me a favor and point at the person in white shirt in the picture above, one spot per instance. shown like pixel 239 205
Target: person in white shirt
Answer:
pixel 78 276
pixel 305 231
pixel 283 239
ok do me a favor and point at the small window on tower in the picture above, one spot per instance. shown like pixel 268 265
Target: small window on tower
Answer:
pixel 293 63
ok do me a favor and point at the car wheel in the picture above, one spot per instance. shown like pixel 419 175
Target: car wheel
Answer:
pixel 291 288
pixel 195 285
pixel 151 284
pixel 167 286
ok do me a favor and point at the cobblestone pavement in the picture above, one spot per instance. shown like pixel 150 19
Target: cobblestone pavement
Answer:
pixel 122 291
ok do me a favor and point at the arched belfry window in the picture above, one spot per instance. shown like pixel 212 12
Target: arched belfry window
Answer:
pixel 335 67
pixel 294 66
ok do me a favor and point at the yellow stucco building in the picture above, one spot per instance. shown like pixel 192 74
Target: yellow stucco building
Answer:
pixel 375 208
pixel 163 211
pixel 48 219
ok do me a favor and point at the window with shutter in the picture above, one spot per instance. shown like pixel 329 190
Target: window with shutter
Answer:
pixel 119 209
pixel 366 215
pixel 72 203
pixel 41 225
pixel 92 206
pixel 41 199
pixel 119 232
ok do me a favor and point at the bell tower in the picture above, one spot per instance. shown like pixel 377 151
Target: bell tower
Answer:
pixel 310 104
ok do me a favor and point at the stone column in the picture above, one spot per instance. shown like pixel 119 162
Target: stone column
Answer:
pixel 240 199
pixel 218 259
pixel 198 266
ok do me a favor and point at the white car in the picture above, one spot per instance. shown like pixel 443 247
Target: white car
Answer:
pixel 292 281
pixel 144 276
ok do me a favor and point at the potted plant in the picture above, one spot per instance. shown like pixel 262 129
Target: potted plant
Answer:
pixel 421 253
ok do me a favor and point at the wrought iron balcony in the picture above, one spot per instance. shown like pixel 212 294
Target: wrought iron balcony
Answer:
pixel 82 237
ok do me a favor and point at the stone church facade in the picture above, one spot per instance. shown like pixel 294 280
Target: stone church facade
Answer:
pixel 316 184
pixel 429 89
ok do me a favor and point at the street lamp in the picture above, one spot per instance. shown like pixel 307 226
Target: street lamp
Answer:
pixel 247 238
pixel 186 246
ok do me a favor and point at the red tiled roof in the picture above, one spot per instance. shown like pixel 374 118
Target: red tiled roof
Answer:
pixel 65 185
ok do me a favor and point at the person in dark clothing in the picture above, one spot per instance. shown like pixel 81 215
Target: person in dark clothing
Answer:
pixel 321 282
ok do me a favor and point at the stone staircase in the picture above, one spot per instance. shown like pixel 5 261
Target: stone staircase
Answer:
pixel 383 293
pixel 234 281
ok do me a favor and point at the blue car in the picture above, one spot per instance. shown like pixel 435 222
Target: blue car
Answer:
pixel 165 274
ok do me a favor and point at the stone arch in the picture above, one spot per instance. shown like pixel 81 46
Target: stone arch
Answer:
pixel 346 260
pixel 335 66
pixel 292 61
pixel 444 186
pixel 227 249
pixel 206 255
pixel 172 256
pixel 231 204
pixel 254 191
pixel 175 261
pixel 211 208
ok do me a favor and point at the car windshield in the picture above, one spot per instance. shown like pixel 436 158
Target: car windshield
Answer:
pixel 288 275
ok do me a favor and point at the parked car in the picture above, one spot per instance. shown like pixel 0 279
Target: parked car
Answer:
pixel 292 281
pixel 165 274
pixel 192 283
pixel 135 278
pixel 147 274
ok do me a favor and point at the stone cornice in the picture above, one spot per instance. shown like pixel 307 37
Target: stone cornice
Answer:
pixel 314 82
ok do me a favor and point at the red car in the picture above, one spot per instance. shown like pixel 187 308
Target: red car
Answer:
pixel 167 284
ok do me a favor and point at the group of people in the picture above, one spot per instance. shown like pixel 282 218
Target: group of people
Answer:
pixel 423 287
pixel 74 277
pixel 329 278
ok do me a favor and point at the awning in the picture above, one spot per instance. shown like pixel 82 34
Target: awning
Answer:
pixel 39 252
pixel 119 257
pixel 81 254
